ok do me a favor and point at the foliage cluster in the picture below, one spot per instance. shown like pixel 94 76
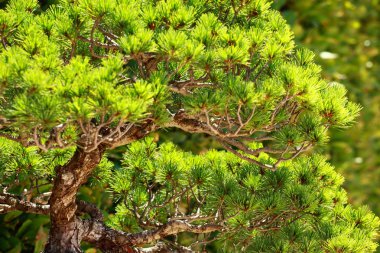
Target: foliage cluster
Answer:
pixel 299 207
pixel 78 77
pixel 350 31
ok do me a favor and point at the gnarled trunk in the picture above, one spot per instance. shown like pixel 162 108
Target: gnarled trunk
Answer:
pixel 67 230
pixel 65 238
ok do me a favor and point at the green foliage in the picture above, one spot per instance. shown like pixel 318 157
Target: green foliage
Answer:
pixel 54 71
pixel 89 74
pixel 349 30
pixel 23 167
pixel 302 203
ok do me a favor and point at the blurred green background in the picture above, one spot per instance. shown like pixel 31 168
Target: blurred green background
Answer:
pixel 345 36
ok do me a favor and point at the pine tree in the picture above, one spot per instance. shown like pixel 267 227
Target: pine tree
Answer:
pixel 81 78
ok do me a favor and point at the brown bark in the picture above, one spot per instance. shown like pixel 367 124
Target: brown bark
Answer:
pixel 105 238
pixel 66 230
pixel 10 202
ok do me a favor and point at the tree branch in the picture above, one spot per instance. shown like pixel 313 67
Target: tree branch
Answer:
pixel 105 238
pixel 9 202
pixel 162 248
pixel 99 44
pixel 89 208
pixel 261 165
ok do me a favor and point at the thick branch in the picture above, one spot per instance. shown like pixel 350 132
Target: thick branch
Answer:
pixel 64 231
pixel 187 124
pixel 164 248
pixel 193 125
pixel 10 137
pixel 91 209
pixel 106 238
pixel 68 181
pixel 9 202
pixel 171 228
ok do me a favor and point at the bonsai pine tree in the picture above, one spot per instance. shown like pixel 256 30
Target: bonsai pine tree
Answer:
pixel 81 78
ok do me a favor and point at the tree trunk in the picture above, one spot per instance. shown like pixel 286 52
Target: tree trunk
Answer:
pixel 67 230
pixel 65 238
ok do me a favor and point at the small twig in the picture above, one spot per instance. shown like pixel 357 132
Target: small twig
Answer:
pixel 99 44
pixel 214 130
pixel 173 197
pixel 82 126
pixel 108 34
pixel 261 165
pixel 297 153
pixel 36 140
pixel 110 135
pixel 261 71
pixel 94 27
pixel 247 121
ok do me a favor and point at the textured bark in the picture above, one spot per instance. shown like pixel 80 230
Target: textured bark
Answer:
pixel 188 124
pixel 110 240
pixel 66 230
pixel 9 202
pixel 164 248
